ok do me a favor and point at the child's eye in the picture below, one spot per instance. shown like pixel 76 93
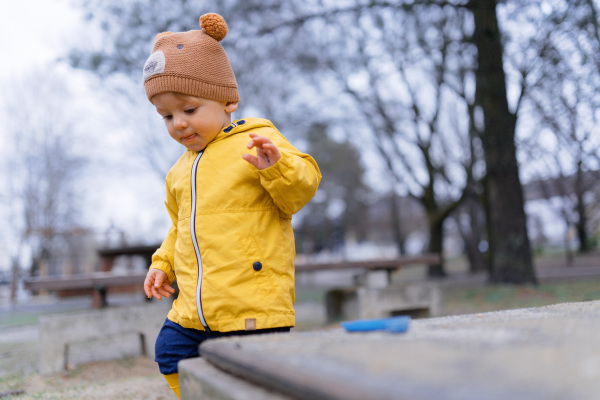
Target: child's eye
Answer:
pixel 190 110
pixel 167 117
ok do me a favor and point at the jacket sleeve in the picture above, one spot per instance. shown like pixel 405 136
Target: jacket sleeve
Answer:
pixel 162 259
pixel 293 180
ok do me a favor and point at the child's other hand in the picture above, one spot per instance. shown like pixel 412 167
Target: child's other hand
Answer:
pixel 157 285
pixel 267 153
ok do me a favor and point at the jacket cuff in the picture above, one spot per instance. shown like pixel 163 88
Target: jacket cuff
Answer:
pixel 166 268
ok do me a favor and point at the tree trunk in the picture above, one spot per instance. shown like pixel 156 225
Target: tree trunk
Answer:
pixel 397 222
pixel 474 237
pixel 511 258
pixel 581 211
pixel 436 236
pixel 584 245
pixel 14 280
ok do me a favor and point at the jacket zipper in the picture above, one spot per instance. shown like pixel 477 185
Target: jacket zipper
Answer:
pixel 195 242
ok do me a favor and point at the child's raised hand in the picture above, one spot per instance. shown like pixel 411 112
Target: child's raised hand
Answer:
pixel 157 285
pixel 267 153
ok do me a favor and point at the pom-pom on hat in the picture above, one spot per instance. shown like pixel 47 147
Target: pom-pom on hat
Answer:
pixel 192 63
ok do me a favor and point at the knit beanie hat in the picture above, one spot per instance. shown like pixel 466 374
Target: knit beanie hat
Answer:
pixel 192 63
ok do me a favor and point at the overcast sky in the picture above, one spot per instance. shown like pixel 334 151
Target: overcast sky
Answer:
pixel 35 33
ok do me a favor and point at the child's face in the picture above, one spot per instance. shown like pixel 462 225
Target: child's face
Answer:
pixel 193 121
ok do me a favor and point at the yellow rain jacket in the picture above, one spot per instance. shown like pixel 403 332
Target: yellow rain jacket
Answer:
pixel 231 244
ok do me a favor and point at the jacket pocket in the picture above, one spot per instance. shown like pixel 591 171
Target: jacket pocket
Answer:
pixel 261 271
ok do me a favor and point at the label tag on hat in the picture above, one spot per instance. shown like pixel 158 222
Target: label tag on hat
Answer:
pixel 155 64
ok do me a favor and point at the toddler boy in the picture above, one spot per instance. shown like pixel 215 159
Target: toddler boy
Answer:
pixel 231 245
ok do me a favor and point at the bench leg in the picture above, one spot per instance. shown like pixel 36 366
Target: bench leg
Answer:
pixel 341 304
pixel 417 299
pixel 99 297
pixel 53 348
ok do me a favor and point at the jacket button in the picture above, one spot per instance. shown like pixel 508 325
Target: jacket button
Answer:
pixel 257 266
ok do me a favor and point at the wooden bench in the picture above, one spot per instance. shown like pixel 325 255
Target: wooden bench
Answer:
pixel 391 264
pixel 374 295
pixel 96 284
pixel 109 255
pixel 372 268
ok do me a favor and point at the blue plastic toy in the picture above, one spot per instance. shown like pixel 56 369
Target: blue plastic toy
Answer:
pixel 394 324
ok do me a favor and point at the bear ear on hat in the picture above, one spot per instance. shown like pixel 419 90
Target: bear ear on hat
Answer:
pixel 161 35
pixel 214 25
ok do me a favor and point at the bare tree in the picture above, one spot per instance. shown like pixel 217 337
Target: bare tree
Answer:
pixel 149 143
pixel 42 169
pixel 402 78
pixel 339 209
pixel 558 66
pixel 511 258
pixel 471 224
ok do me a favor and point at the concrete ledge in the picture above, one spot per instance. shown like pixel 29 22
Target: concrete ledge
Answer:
pixel 59 331
pixel 546 353
pixel 199 379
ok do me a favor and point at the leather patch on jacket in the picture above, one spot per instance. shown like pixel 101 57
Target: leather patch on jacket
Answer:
pixel 250 324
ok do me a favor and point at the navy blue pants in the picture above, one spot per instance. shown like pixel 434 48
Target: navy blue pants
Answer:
pixel 176 343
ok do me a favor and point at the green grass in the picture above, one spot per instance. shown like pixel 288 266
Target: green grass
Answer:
pixel 316 294
pixel 502 297
pixel 19 319
pixel 12 382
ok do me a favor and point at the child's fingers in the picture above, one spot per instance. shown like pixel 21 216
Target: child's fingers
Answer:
pixel 251 159
pixel 271 153
pixel 158 281
pixel 169 288
pixel 161 291
pixel 267 153
pixel 155 293
pixel 263 144
pixel 258 141
pixel 270 149
pixel 148 282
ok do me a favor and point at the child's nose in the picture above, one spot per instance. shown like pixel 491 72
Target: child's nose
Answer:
pixel 180 123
